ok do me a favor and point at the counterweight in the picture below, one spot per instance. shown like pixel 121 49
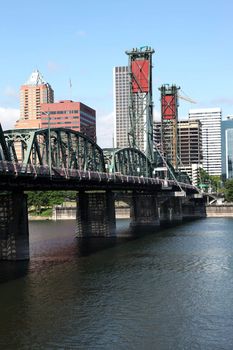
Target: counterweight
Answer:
pixel 169 116
pixel 140 135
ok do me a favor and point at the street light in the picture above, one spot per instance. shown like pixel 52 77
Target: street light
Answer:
pixel 49 144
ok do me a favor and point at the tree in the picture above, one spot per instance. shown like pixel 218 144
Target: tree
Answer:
pixel 229 190
pixel 37 199
pixel 206 180
pixel 46 199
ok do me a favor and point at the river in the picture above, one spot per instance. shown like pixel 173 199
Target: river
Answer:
pixel 171 289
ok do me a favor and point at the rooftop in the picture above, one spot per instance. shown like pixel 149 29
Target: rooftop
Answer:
pixel 35 78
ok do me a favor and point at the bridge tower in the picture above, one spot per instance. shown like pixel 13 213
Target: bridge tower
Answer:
pixel 140 135
pixel 169 119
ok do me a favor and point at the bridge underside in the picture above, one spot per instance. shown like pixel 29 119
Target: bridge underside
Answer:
pixel 95 216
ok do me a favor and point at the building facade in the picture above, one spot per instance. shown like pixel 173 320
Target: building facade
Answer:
pixel 69 114
pixel 189 134
pixel 210 119
pixel 122 103
pixel 121 106
pixel 227 148
pixel 190 142
pixel 34 92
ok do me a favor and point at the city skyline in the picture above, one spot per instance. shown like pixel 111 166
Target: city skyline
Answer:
pixel 191 43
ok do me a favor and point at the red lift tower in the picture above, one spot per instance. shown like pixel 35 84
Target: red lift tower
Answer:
pixel 140 100
pixel 169 121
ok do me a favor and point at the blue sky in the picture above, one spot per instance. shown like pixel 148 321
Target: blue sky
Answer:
pixel 84 40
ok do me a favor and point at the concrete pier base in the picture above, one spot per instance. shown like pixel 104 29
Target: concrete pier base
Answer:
pixel 95 214
pixel 170 211
pixel 194 208
pixel 14 237
pixel 144 211
pixel 177 212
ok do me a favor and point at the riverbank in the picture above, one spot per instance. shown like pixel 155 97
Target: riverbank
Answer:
pixel 39 218
pixel 69 213
pixel 221 210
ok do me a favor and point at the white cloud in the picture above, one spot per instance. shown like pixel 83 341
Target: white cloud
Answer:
pixel 11 92
pixel 105 129
pixel 8 117
pixel 156 115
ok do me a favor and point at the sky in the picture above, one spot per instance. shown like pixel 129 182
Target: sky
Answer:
pixel 81 42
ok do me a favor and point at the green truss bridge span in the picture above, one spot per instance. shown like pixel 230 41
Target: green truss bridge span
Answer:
pixel 54 159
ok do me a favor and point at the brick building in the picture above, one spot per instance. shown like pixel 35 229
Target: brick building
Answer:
pixel 69 114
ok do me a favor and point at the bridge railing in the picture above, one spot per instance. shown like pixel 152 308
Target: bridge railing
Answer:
pixel 15 169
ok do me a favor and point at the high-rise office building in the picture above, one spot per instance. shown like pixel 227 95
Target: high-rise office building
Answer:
pixel 34 92
pixel 69 114
pixel 227 148
pixel 121 105
pixel 122 124
pixel 210 119
pixel 189 142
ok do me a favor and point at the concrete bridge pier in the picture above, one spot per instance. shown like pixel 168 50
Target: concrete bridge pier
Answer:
pixel 95 214
pixel 177 212
pixel 170 211
pixel 194 207
pixel 144 210
pixel 14 234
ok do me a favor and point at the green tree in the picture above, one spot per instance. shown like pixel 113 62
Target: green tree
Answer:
pixel 37 199
pixel 229 190
pixel 207 180
pixel 46 199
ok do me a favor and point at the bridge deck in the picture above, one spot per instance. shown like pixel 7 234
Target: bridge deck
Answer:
pixel 29 177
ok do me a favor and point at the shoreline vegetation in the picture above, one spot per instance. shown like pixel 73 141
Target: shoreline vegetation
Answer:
pixel 67 211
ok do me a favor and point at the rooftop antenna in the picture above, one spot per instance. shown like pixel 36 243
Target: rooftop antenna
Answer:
pixel 70 87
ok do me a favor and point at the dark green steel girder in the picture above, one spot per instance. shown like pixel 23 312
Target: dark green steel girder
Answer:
pixel 128 161
pixel 4 151
pixel 58 147
pixel 68 149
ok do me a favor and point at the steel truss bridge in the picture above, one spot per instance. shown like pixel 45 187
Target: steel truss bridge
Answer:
pixel 67 159
pixel 63 159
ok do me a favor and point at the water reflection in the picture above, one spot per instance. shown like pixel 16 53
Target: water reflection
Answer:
pixel 12 270
pixel 87 246
pixel 171 289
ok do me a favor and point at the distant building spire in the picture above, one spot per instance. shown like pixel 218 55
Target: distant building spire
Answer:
pixel 35 78
pixel 32 94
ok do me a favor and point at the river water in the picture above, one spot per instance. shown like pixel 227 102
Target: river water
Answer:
pixel 171 289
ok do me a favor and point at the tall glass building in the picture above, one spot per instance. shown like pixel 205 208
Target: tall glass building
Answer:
pixel 121 106
pixel 227 148
pixel 121 93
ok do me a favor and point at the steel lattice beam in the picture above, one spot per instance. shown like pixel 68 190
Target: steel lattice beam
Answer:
pixel 140 104
pixel 68 149
pixel 128 161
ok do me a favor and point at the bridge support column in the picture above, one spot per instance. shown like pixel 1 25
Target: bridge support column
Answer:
pixel 194 208
pixel 95 214
pixel 14 237
pixel 170 211
pixel 144 210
